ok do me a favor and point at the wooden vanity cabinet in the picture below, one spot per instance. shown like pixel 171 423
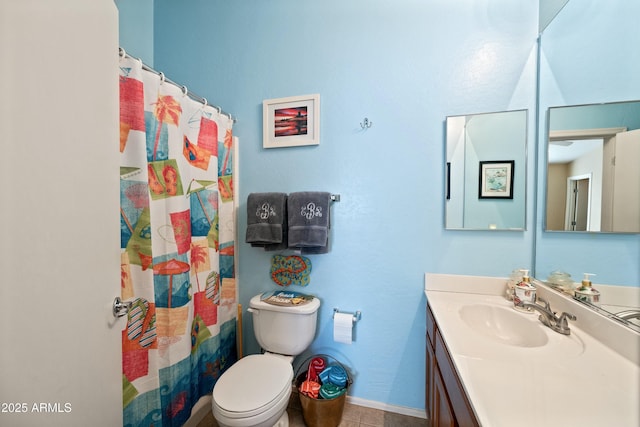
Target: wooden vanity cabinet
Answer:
pixel 446 401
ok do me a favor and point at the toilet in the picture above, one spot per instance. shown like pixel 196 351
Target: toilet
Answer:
pixel 255 390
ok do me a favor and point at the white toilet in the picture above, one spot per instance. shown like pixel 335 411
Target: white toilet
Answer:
pixel 255 391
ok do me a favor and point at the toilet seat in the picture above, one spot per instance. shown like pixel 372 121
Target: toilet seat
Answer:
pixel 253 386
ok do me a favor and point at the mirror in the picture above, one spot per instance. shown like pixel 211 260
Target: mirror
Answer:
pixel 616 302
pixel 593 178
pixel 580 66
pixel 486 171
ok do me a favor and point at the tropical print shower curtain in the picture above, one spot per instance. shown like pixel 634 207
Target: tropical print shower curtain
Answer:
pixel 177 259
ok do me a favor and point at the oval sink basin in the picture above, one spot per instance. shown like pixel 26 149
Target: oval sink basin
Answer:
pixel 504 325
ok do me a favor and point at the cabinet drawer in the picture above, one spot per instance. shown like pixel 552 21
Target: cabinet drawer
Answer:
pixel 459 401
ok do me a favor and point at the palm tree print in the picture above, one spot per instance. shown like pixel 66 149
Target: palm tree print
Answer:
pixel 167 110
pixel 198 256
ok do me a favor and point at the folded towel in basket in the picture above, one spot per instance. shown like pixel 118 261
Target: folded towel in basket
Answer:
pixel 308 220
pixel 334 374
pixel 266 219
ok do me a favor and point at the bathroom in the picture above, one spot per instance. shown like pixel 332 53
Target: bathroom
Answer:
pixel 404 66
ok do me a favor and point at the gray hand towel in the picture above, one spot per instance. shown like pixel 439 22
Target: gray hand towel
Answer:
pixel 308 219
pixel 266 218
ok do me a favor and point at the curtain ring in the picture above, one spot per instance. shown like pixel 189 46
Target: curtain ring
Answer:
pixel 161 74
pixel 185 91
pixel 219 109
pixel 204 102
pixel 122 53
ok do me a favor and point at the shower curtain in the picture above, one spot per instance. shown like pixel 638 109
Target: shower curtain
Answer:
pixel 177 258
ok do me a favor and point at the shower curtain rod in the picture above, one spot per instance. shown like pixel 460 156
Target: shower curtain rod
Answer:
pixel 185 91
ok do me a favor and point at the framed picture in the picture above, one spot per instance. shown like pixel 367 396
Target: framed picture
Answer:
pixel 448 182
pixel 291 122
pixel 496 179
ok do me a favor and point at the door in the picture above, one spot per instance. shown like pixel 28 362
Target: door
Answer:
pixel 626 188
pixel 578 199
pixel 59 247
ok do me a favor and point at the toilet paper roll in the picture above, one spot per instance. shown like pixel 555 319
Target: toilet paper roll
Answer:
pixel 343 328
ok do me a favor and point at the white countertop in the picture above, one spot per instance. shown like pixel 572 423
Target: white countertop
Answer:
pixel 572 380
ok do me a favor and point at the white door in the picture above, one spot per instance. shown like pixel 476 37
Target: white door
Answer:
pixel 626 188
pixel 59 227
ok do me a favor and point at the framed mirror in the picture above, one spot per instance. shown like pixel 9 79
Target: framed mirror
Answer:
pixel 486 171
pixel 593 178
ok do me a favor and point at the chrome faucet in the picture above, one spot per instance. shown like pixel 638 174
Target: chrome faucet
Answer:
pixel 629 314
pixel 549 318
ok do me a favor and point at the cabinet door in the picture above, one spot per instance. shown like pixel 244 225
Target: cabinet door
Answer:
pixel 459 402
pixel 442 412
pixel 430 369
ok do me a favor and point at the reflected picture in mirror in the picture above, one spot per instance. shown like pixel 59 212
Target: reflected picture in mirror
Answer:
pixel 482 191
pixel 593 178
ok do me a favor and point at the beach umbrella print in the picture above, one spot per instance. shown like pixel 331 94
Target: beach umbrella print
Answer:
pixel 170 268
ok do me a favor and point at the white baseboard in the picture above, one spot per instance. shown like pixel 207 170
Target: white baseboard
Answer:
pixel 412 412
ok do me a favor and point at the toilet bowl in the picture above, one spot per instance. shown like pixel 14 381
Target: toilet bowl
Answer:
pixel 255 391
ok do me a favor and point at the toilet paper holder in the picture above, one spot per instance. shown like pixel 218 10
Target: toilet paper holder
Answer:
pixel 356 316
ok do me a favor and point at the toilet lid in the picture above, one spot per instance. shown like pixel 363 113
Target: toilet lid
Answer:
pixel 252 383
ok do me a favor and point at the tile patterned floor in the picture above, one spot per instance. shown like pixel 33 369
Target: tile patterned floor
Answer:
pixel 352 416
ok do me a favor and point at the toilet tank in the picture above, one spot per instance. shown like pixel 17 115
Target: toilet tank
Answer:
pixel 287 330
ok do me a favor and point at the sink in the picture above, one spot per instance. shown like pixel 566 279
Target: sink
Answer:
pixel 504 325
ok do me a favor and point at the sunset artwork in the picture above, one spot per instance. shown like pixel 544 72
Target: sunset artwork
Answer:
pixel 290 121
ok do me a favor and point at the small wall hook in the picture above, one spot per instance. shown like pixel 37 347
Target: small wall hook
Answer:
pixel 366 124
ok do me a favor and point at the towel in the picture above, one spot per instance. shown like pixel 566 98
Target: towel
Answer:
pixel 266 220
pixel 308 221
pixel 310 389
pixel 334 374
pixel 331 391
pixel 316 366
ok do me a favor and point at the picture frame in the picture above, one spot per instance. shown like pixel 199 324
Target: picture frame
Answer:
pixel 290 122
pixel 496 179
pixel 448 182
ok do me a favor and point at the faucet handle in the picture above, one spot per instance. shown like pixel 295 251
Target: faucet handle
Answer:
pixel 563 319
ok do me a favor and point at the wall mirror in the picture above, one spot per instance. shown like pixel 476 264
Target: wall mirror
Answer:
pixel 593 178
pixel 579 67
pixel 486 171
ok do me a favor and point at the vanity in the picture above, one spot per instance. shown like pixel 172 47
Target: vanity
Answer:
pixel 490 365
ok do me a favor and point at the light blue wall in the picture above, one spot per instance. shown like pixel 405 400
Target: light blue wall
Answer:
pixel 136 28
pixel 405 65
pixel 588 56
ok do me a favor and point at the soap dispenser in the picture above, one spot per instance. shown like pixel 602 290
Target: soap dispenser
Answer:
pixel 514 279
pixel 586 292
pixel 523 292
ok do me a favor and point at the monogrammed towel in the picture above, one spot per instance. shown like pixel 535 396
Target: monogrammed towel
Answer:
pixel 266 219
pixel 308 220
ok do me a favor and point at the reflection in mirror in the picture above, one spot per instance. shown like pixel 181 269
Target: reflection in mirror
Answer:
pixel 621 303
pixel 593 178
pixel 486 171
